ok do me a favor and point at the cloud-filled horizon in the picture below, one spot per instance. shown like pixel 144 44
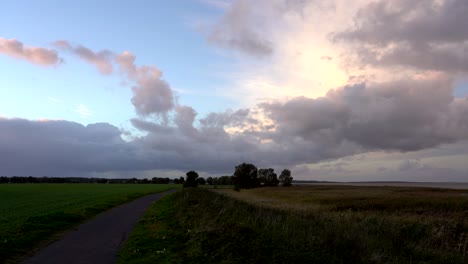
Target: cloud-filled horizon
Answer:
pixel 371 99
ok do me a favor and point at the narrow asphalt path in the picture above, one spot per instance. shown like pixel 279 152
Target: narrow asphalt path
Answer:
pixel 98 240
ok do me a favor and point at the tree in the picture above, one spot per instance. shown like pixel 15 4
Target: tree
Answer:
pixel 132 180
pixel 191 179
pixel 267 177
pixel 201 181
pixel 209 180
pixel 157 180
pixel 285 178
pixel 245 176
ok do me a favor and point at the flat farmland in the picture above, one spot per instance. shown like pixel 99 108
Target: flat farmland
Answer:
pixel 33 213
pixel 304 224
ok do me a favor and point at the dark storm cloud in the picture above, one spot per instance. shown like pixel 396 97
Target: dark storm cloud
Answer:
pixel 428 35
pixel 62 148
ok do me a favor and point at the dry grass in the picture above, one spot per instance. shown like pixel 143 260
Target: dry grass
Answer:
pixel 390 200
pixel 306 224
pixel 443 213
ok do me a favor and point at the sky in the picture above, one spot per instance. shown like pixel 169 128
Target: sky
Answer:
pixel 373 91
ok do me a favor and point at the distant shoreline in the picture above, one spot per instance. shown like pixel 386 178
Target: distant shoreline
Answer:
pixel 447 185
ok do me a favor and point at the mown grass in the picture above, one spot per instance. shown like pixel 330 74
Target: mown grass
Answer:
pixel 333 224
pixel 33 213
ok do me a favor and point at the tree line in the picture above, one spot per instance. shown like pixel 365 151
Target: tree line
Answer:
pixel 31 179
pixel 245 176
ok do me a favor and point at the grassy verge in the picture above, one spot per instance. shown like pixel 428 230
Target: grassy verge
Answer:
pixel 203 226
pixel 30 214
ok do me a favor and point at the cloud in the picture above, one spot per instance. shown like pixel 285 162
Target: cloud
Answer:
pixel 151 94
pixel 35 55
pixel 184 120
pixel 296 60
pixel 425 35
pixel 62 148
pixel 102 60
pixel 400 116
pixel 221 4
pixel 410 112
pixel 397 116
pixel 235 30
pixel 83 111
pixel 229 118
pixel 247 26
pixel 408 165
pixel 404 116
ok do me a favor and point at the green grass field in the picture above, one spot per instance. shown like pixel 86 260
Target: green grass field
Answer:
pixel 309 224
pixel 33 213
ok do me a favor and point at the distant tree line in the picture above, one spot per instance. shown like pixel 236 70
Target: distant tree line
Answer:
pixel 245 176
pixel 31 179
pixel 192 179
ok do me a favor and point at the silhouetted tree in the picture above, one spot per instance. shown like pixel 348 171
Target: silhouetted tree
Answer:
pixel 191 179
pixel 224 180
pixel 144 181
pixel 201 181
pixel 209 180
pixel 132 180
pixel 245 176
pixel 285 178
pixel 102 181
pixel 267 177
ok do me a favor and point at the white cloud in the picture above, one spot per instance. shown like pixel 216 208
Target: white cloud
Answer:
pixel 83 111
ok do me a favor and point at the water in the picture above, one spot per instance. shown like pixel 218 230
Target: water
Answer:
pixel 447 185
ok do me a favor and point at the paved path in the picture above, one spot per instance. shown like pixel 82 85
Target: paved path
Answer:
pixel 98 240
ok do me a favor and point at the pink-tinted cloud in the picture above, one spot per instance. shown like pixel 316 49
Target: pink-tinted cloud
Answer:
pixel 151 95
pixel 126 62
pixel 35 55
pixel 102 60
